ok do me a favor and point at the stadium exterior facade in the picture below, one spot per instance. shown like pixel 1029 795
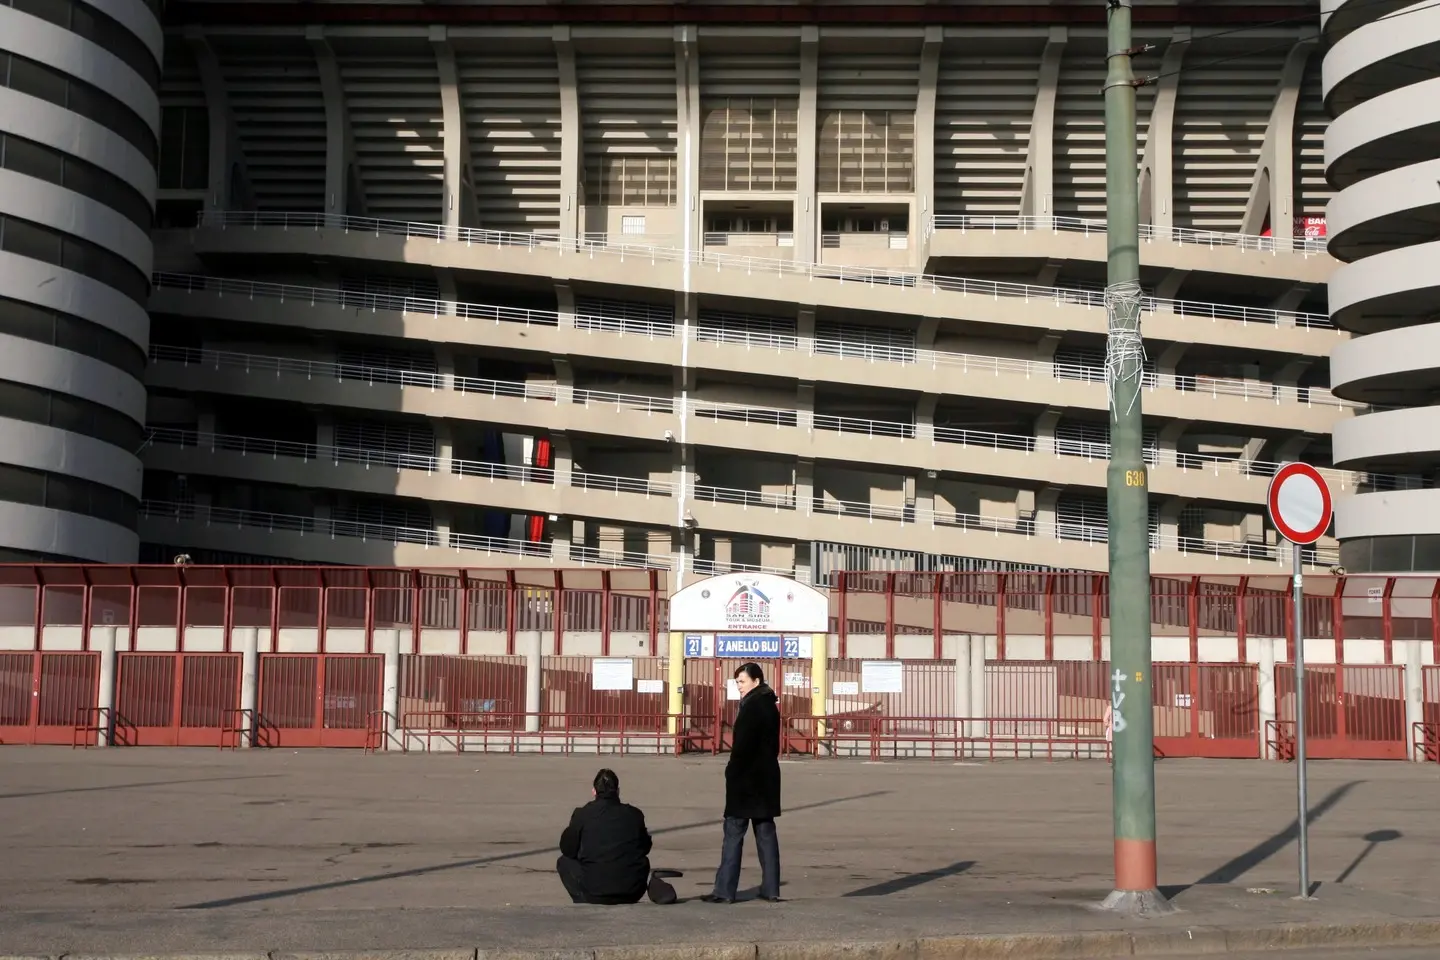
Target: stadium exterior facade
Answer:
pixel 478 286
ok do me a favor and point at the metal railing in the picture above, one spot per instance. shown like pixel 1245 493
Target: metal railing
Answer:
pixel 314 526
pixel 286 523
pixel 399 460
pixel 708 333
pixel 1060 529
pixel 1344 480
pixel 868 276
pixel 1307 246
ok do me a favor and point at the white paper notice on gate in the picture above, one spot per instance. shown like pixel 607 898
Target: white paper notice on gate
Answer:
pixel 732 690
pixel 612 674
pixel 881 676
pixel 650 686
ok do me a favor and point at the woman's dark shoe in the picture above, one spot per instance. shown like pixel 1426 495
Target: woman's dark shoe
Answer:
pixel 712 898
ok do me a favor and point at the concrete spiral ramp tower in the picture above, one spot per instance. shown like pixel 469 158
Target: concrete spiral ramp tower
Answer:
pixel 1382 154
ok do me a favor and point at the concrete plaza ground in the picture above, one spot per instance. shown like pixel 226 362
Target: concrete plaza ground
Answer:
pixel 167 850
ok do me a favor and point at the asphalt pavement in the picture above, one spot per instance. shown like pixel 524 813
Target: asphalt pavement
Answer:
pixel 169 850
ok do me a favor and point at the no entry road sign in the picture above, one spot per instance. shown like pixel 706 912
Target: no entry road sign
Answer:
pixel 1299 502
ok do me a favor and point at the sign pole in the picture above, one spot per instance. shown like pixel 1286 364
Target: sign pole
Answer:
pixel 1301 510
pixel 1298 585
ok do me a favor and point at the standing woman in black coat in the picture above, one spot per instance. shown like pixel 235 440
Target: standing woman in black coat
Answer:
pixel 752 788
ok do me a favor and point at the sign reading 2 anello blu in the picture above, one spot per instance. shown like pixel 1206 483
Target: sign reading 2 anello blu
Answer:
pixel 747 646
pixel 750 603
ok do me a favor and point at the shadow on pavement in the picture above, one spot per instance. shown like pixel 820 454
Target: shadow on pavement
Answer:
pixel 910 880
pixel 1232 870
pixel 133 786
pixel 477 862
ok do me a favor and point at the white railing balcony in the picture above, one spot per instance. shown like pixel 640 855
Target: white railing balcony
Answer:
pixel 709 333
pixel 1343 481
pixel 869 276
pixel 1213 239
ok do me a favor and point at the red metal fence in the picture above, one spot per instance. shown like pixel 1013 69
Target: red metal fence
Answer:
pixel 1029 614
pixel 1351 712
pixel 319 700
pixel 44 696
pixel 175 699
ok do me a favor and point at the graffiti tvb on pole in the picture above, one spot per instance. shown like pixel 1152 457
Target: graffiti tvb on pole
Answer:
pixel 1136 890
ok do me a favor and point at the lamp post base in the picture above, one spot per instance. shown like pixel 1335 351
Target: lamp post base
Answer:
pixel 1139 904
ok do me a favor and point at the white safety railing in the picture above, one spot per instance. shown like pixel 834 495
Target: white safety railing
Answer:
pixel 964 363
pixel 904 514
pixel 867 276
pixel 287 523
pixel 398 460
pixel 1215 239
pixel 1343 481
pixel 163 510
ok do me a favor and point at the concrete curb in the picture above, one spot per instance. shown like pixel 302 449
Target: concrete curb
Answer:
pixel 1193 941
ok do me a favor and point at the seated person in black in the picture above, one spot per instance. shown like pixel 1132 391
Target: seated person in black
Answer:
pixel 605 851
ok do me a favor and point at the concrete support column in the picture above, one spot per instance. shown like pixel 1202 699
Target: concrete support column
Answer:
pixel 228 178
pixel 1169 287
pixel 978 727
pixel 533 667
pixel 1045 426
pixel 389 643
pixel 687 133
pixel 807 205
pixel 805 330
pixel 205 422
pixel 925 417
pixel 248 640
pixel 1264 648
pixel 565 304
pixel 560 541
pixel 925 147
pixel 1272 190
pixel 445 365
pixel 1047 508
pixel 570 133
pixel 1291 299
pixel 444 518
pixel 325 432
pixel 1157 167
pixel 562 455
pixel 926 332
pixel 1167 443
pixel 1414 694
pixel 457 199
pixel 1287 380
pixel 102 640
pixel 444 447
pixel 804 486
pixel 1291 448
pixel 339 141
pixel 1167 364
pixel 804 562
pixel 964 685
pixel 564 383
pixel 805 407
pixel 1037 194
pixel 1169 532
pixel 925 497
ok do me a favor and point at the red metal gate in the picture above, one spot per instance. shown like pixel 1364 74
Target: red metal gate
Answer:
pixel 44 696
pixel 319 700
pixel 1351 713
pixel 709 713
pixel 175 699
pixel 1207 710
